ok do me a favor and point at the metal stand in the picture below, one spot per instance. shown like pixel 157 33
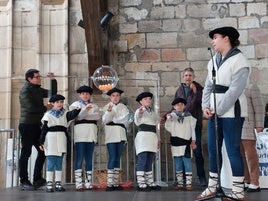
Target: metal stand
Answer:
pixel 219 191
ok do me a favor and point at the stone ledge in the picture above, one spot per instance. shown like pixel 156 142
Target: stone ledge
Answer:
pixel 3 2
pixel 52 2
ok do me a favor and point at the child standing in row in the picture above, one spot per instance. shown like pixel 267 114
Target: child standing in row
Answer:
pixel 115 118
pixel 181 125
pixel 85 136
pixel 53 139
pixel 147 142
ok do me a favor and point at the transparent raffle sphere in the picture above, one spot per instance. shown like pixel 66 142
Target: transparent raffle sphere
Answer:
pixel 105 78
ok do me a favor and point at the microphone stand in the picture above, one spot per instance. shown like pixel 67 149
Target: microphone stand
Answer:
pixel 219 192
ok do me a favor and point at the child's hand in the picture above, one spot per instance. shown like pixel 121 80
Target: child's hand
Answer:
pixel 89 106
pixel 110 107
pixel 141 110
pixel 159 144
pixel 41 147
pixel 193 145
pixel 169 116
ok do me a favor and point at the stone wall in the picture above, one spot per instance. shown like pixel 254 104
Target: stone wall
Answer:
pixel 160 38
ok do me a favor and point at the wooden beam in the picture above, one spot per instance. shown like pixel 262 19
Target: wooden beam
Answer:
pixel 91 19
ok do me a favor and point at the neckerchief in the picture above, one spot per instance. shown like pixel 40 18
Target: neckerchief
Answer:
pixel 220 61
pixel 148 109
pixel 181 115
pixel 57 113
pixel 83 102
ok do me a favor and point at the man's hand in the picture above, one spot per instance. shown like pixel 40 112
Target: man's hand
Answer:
pixel 51 75
pixel 193 87
pixel 41 147
pixel 259 129
pixel 49 106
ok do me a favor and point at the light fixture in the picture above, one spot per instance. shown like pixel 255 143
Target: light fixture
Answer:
pixel 106 19
pixel 81 24
pixel 105 78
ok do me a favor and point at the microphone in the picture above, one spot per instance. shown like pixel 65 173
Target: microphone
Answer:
pixel 213 68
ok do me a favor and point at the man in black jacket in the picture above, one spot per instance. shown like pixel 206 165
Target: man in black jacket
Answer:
pixel 32 110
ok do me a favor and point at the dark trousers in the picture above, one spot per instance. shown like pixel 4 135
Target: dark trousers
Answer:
pixel 145 161
pixel 199 159
pixel 115 151
pixel 229 130
pixel 30 134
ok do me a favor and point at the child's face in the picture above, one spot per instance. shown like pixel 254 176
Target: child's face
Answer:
pixel 180 107
pixel 85 96
pixel 146 102
pixel 58 105
pixel 115 97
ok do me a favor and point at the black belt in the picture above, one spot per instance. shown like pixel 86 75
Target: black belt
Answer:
pixel 219 89
pixel 115 124
pixel 222 89
pixel 177 141
pixel 57 128
pixel 84 121
pixel 146 127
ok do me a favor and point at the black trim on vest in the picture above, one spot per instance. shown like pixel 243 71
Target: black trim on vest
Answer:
pixel 84 121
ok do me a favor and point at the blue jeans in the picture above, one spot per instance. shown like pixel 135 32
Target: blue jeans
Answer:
pixel 145 161
pixel 84 150
pixel 182 164
pixel 115 151
pixel 54 163
pixel 199 159
pixel 229 130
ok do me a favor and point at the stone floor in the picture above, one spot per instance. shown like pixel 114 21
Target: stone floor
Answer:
pixel 130 194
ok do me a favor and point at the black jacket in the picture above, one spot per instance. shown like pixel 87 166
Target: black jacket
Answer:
pixel 32 106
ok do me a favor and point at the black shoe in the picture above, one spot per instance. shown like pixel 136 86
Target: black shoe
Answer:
pixel 246 185
pixel 50 187
pixel 118 188
pixel 109 188
pixel 27 186
pixel 252 190
pixel 155 188
pixel 145 189
pixel 40 182
pixel 59 187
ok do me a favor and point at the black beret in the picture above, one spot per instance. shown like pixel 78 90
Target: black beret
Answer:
pixel 56 97
pixel 179 100
pixel 114 90
pixel 144 95
pixel 231 32
pixel 84 89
